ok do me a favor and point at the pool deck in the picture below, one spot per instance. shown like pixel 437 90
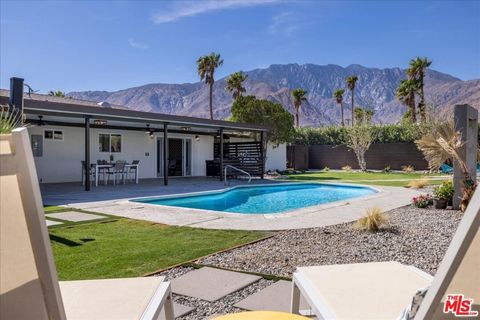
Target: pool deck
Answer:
pixel 114 200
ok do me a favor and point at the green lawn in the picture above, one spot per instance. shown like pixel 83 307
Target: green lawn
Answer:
pixel 397 179
pixel 129 248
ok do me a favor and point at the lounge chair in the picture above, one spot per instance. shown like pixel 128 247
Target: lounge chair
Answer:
pixel 29 286
pixel 383 290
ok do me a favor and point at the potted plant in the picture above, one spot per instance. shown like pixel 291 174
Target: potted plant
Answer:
pixel 443 194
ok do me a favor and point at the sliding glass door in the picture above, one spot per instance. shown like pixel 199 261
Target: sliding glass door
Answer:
pixel 179 157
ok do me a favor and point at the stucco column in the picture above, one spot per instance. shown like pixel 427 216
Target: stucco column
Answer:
pixel 466 122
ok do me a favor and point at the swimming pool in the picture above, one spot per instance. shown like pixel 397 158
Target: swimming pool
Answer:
pixel 264 198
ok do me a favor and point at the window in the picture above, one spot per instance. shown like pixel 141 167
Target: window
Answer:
pixel 53 134
pixel 110 142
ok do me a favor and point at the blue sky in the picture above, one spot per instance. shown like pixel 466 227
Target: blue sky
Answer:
pixel 111 45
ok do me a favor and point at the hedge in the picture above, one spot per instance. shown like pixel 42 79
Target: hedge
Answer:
pixel 334 135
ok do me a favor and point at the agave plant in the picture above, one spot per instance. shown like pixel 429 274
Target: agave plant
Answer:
pixel 10 118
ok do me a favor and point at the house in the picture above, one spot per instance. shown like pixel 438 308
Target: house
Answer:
pixel 64 132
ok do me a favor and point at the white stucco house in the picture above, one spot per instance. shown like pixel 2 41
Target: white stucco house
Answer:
pixel 64 132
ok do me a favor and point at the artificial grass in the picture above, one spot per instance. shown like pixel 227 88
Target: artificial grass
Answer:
pixel 130 248
pixel 370 178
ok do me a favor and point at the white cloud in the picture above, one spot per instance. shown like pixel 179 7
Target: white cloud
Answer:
pixel 183 9
pixel 283 23
pixel 137 45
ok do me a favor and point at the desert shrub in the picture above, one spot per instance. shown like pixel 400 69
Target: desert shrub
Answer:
pixel 422 201
pixel 444 191
pixel 347 168
pixel 408 168
pixel 326 169
pixel 387 169
pixel 418 184
pixel 10 118
pixel 372 221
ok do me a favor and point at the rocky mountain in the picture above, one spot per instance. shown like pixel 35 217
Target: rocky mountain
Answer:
pixel 375 90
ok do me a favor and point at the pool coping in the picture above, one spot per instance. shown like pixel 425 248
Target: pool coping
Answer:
pixel 386 198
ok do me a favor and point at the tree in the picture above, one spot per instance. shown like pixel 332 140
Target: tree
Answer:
pixel 299 96
pixel 417 69
pixel 206 66
pixel 235 84
pixel 359 139
pixel 406 95
pixel 264 112
pixel 338 95
pixel 56 93
pixel 363 116
pixel 351 82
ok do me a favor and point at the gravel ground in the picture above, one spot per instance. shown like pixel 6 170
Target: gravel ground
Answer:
pixel 416 237
pixel 205 309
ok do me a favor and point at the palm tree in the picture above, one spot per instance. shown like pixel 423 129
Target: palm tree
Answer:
pixel 338 95
pixel 206 66
pixel 406 95
pixel 418 67
pixel 235 84
pixel 299 96
pixel 351 82
pixel 56 93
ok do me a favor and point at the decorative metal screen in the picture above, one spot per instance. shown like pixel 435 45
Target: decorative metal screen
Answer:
pixel 243 155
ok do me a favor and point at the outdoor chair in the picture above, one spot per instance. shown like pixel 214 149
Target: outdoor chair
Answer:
pixel 91 172
pixel 132 171
pixel 384 290
pixel 29 287
pixel 117 170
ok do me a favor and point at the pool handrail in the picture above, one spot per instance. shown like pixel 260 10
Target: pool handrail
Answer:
pixel 235 168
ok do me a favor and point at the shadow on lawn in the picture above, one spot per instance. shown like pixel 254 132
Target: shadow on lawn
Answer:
pixel 64 241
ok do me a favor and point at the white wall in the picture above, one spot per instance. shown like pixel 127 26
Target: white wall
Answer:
pixel 276 156
pixel 61 160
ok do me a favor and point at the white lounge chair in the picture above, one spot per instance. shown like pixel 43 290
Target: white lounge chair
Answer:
pixel 383 290
pixel 29 286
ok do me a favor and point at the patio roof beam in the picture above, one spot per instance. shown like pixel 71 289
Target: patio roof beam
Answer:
pixel 111 127
pixel 221 155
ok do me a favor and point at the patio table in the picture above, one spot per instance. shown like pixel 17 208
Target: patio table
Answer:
pixel 96 167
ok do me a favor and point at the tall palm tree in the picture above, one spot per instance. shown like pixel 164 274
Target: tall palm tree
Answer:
pixel 351 82
pixel 206 66
pixel 338 95
pixel 417 69
pixel 299 96
pixel 235 84
pixel 56 93
pixel 406 95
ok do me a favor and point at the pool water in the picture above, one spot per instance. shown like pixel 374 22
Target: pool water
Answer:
pixel 265 199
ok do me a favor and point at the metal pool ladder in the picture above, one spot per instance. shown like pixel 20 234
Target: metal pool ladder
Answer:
pixel 225 179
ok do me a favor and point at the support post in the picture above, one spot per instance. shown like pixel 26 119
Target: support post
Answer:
pixel 87 153
pixel 165 154
pixel 466 122
pixel 221 155
pixel 262 153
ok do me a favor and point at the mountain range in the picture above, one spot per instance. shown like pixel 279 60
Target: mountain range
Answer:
pixel 375 90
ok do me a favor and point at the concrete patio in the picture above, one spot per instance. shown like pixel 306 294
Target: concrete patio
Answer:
pixel 115 200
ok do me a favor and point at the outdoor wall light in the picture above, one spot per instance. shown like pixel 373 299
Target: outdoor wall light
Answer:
pixel 186 128
pixel 197 138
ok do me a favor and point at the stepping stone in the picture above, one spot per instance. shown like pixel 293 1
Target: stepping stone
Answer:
pixel 52 223
pixel 75 216
pixel 276 297
pixel 211 284
pixel 179 310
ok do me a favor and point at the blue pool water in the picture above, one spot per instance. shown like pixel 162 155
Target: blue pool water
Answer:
pixel 265 199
